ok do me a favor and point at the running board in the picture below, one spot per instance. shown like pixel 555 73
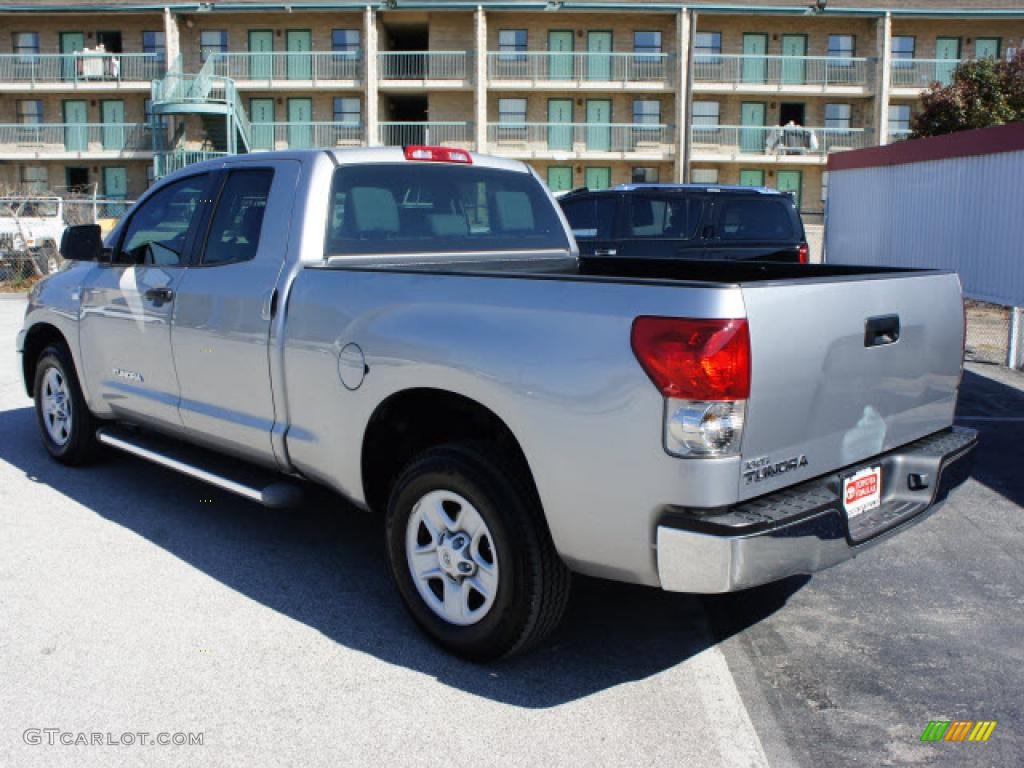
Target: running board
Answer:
pixel 229 474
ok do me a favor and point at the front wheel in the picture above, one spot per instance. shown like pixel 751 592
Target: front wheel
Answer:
pixel 471 555
pixel 66 426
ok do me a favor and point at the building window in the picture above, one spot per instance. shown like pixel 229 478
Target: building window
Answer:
pixel 899 119
pixel 704 175
pixel 212 41
pixel 647 42
pixel 35 179
pixel 706 112
pixel 154 43
pixel 837 116
pixel 644 174
pixel 26 43
pixel 512 111
pixel 345 40
pixel 841 46
pixel 347 110
pixel 646 112
pixel 708 44
pixel 30 112
pixel 512 42
pixel 902 50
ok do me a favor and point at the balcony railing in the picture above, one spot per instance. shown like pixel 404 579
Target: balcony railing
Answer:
pixel 899 134
pixel 306 135
pixel 921 73
pixel 538 66
pixel 80 67
pixel 747 70
pixel 169 162
pixel 422 65
pixel 310 66
pixel 531 138
pixel 796 141
pixel 436 133
pixel 75 137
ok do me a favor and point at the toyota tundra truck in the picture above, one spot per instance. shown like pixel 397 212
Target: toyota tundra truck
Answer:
pixel 414 329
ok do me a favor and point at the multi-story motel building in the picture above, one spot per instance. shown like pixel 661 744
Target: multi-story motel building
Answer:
pixel 109 94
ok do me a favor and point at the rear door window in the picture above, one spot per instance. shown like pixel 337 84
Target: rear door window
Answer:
pixel 425 207
pixel 755 219
pixel 664 217
pixel 238 221
pixel 591 217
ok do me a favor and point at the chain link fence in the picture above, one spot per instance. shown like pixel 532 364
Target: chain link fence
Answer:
pixel 988 332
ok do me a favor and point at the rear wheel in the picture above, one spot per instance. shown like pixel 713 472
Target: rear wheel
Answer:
pixel 67 428
pixel 471 555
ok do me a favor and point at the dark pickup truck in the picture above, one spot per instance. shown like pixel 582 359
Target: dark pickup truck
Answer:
pixel 686 221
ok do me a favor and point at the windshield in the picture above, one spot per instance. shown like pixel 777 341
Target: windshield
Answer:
pixel 28 209
pixel 425 207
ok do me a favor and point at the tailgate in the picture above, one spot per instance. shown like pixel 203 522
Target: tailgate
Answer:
pixel 829 386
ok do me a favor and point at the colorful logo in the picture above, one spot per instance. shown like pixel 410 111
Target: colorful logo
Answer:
pixel 958 730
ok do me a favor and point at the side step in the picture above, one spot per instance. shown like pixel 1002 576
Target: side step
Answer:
pixel 232 475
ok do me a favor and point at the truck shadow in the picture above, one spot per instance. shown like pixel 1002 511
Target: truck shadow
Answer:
pixel 997 462
pixel 324 565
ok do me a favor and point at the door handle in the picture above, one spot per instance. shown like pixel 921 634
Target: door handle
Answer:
pixel 881 330
pixel 605 252
pixel 159 295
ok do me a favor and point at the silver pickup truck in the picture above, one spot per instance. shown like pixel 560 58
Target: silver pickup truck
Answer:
pixel 413 328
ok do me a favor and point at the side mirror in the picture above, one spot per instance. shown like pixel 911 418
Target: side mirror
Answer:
pixel 83 242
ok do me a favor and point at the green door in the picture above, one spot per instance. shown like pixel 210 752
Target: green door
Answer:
pixel 599 60
pixel 560 44
pixel 76 133
pixel 986 47
pixel 794 49
pixel 112 117
pixel 755 46
pixel 947 53
pixel 597 178
pixel 300 117
pixel 751 177
pixel 300 64
pixel 261 115
pixel 599 130
pixel 791 181
pixel 560 124
pixel 261 60
pixel 115 183
pixel 752 133
pixel 70 42
pixel 559 178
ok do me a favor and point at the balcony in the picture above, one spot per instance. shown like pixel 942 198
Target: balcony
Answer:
pixel 269 136
pixel 899 134
pixel 738 73
pixel 79 71
pixel 597 71
pixel 53 141
pixel 436 133
pixel 911 76
pixel 290 70
pixel 774 145
pixel 564 141
pixel 437 69
pixel 169 162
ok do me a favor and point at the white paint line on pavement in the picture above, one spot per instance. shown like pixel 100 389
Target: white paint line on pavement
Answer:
pixel 738 742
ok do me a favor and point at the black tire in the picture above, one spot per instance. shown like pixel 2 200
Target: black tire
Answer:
pixel 81 445
pixel 533 587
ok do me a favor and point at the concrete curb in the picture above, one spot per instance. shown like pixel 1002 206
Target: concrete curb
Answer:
pixel 12 296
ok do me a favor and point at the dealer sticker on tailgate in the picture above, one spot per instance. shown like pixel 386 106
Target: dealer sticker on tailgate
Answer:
pixel 862 491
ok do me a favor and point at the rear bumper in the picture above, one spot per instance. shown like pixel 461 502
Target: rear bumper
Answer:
pixel 804 528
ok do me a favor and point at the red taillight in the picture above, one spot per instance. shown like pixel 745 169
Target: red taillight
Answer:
pixel 694 359
pixel 437 154
pixel 803 254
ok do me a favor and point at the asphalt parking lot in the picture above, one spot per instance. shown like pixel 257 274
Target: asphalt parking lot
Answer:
pixel 135 600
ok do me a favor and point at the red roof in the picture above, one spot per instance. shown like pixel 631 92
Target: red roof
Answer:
pixel 981 141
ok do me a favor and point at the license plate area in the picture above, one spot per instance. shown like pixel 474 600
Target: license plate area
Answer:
pixel 862 491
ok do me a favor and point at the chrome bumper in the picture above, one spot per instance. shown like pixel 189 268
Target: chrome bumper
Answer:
pixel 804 529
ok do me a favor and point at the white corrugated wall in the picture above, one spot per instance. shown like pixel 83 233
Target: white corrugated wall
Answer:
pixel 965 214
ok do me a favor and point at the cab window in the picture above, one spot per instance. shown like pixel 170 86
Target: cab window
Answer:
pixel 238 220
pixel 591 217
pixel 664 217
pixel 158 230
